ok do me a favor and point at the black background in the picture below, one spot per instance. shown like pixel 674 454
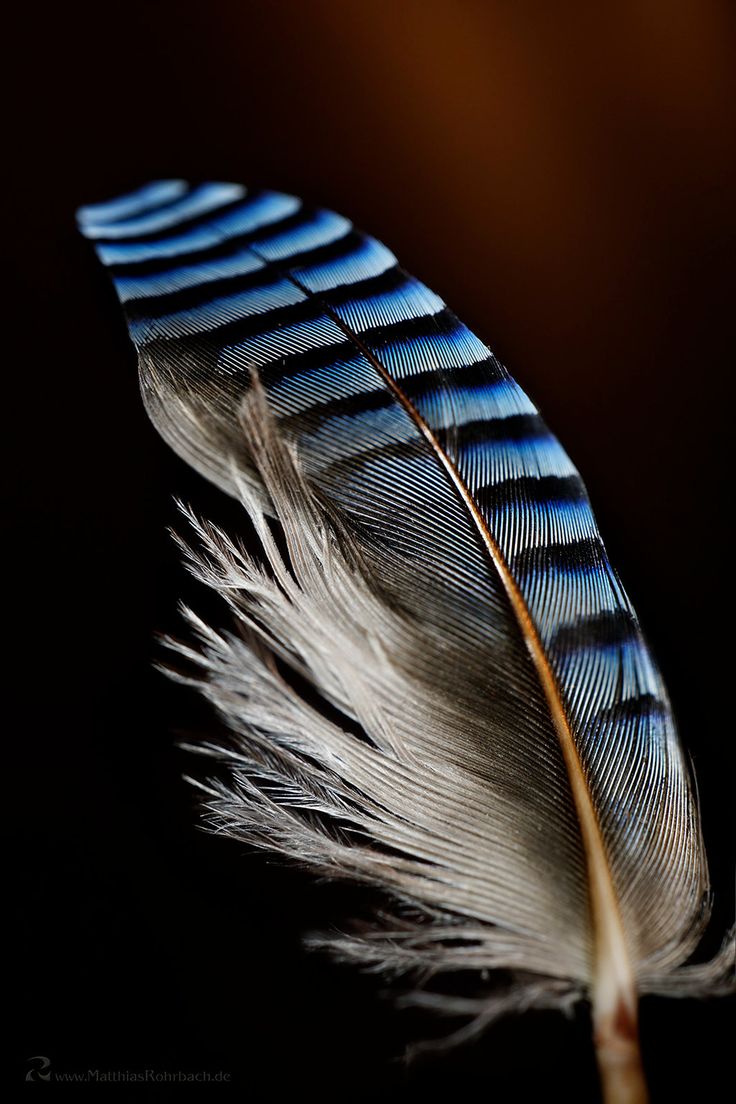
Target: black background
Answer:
pixel 564 176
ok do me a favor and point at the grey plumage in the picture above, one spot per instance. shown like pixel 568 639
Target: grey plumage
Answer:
pixel 432 802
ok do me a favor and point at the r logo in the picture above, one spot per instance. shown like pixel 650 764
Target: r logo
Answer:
pixel 37 1073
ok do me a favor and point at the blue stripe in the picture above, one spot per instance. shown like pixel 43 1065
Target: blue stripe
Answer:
pixel 262 211
pixel 229 308
pixel 143 199
pixel 557 523
pixel 370 258
pixel 410 300
pixel 206 198
pixel 412 355
pixel 443 408
pixel 324 228
pixel 176 279
pixel 495 461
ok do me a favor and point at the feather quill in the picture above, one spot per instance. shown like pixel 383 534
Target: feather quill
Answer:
pixel 496 749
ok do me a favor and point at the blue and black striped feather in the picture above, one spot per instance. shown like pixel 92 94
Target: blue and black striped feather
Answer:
pixel 218 282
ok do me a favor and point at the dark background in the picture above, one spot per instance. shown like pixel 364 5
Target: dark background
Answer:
pixel 563 174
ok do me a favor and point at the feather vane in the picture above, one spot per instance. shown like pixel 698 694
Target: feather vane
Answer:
pixel 507 762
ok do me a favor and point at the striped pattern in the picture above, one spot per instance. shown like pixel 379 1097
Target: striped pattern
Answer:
pixel 217 282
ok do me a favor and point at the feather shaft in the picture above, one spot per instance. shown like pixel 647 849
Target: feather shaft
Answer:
pixel 620 1067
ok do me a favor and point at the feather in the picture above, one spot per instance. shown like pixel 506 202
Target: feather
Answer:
pixel 488 739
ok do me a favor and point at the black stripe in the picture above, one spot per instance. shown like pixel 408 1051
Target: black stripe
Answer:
pixel 483 373
pixel 185 223
pixel 418 386
pixel 303 216
pixel 157 306
pixel 516 427
pixel 307 421
pixel 586 553
pixel 338 250
pixel 225 248
pixel 158 266
pixel 600 630
pixel 390 280
pixel 414 387
pixel 442 324
pixel 198 357
pixel 258 325
pixel 243 329
pixel 299 363
pixel 638 708
pixel 527 489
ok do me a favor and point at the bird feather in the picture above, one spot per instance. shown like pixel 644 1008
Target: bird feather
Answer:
pixel 488 739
